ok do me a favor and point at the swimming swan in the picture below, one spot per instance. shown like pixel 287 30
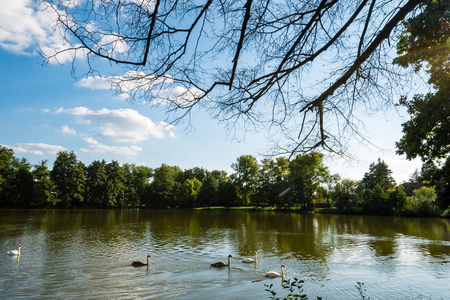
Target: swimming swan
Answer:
pixel 273 274
pixel 15 252
pixel 141 263
pixel 222 264
pixel 251 260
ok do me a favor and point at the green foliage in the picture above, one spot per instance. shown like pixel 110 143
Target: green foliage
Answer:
pixel 115 185
pixel 244 176
pixel 228 194
pixel 189 192
pixel 277 183
pixel 209 192
pixel 165 187
pixel 424 45
pixel 306 173
pixel 379 173
pixel 96 182
pixel 377 201
pixel 345 195
pixel 44 187
pixel 68 175
pixel 293 286
pixel 137 183
pixel 8 170
pixel 421 204
pixel 272 180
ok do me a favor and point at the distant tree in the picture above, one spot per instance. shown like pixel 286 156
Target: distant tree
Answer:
pixel 379 173
pixel 272 180
pixel 96 183
pixel 400 199
pixel 422 203
pixel 306 173
pixel 244 176
pixel 22 184
pixel 115 185
pixel 165 188
pixel 345 195
pixel 7 173
pixel 196 172
pixel 137 183
pixel 44 187
pixel 378 201
pixel 328 186
pixel 209 192
pixel 68 175
pixel 189 192
pixel 228 194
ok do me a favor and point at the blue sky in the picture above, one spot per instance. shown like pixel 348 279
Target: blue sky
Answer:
pixel 45 110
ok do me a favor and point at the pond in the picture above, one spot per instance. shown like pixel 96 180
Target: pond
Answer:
pixel 73 254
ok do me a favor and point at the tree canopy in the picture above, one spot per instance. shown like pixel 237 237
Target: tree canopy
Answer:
pixel 424 45
pixel 300 67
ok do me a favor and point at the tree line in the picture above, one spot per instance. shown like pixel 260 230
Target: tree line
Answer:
pixel 303 183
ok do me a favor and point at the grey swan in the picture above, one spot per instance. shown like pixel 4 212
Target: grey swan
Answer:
pixel 15 252
pixel 273 274
pixel 141 263
pixel 221 264
pixel 249 260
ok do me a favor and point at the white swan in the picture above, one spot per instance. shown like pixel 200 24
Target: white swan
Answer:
pixel 221 264
pixel 141 263
pixel 249 260
pixel 15 252
pixel 273 274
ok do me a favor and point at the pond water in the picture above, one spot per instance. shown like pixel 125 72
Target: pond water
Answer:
pixel 87 254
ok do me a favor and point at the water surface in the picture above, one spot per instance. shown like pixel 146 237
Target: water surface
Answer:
pixel 73 254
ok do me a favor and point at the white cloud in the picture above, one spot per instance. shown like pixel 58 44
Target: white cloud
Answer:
pixel 26 26
pixel 137 82
pixel 36 148
pixel 121 125
pixel 21 28
pixel 95 146
pixel 96 83
pixel 178 94
pixel 66 129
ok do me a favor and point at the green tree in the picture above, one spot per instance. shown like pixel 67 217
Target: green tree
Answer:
pixel 165 188
pixel 244 177
pixel 306 173
pixel 422 203
pixel 115 185
pixel 345 195
pixel 68 175
pixel 96 184
pixel 272 180
pixel 189 192
pixel 209 192
pixel 228 194
pixel 379 173
pixel 7 173
pixel 137 183
pixel 378 201
pixel 424 45
pixel 44 187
